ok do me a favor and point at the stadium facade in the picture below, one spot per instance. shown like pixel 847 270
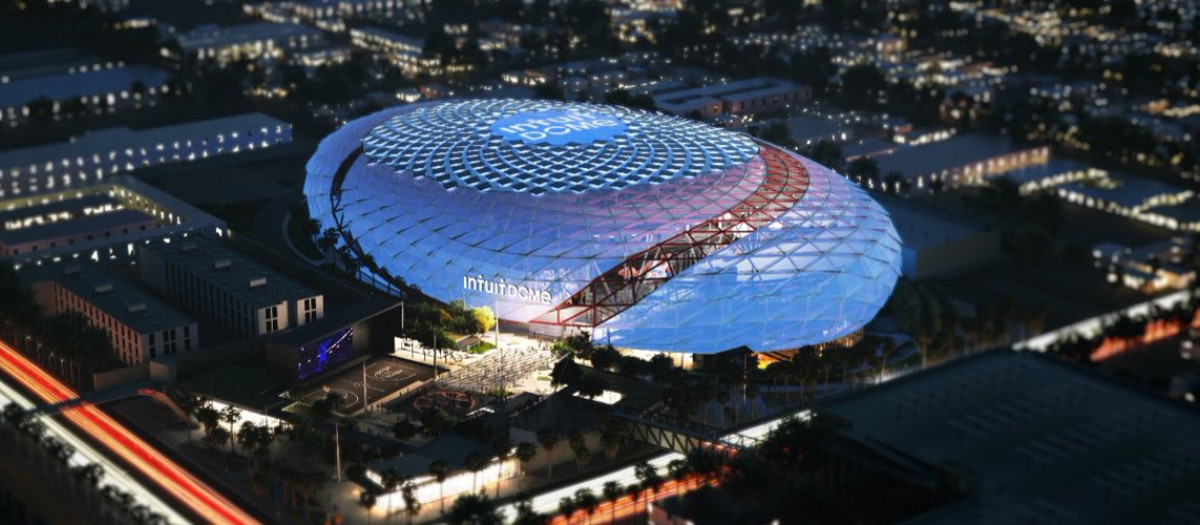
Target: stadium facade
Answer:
pixel 650 231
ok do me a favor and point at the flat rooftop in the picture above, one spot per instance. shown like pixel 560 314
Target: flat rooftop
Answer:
pixel 229 270
pixel 65 86
pixel 103 141
pixel 1127 191
pixel 935 157
pixel 1046 441
pixel 737 89
pixel 217 36
pixel 77 226
pixel 116 297
pixel 920 226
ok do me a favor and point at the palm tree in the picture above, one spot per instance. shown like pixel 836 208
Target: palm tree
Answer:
pixel 635 494
pixel 549 440
pixel 475 510
pixel 566 507
pixel 502 448
pixel 648 476
pixel 440 470
pixel 475 463
pixel 525 512
pixel 231 415
pixel 586 500
pixel 367 500
pixel 412 505
pixel 525 453
pixel 612 492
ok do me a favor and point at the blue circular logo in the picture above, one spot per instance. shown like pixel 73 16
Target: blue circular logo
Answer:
pixel 559 127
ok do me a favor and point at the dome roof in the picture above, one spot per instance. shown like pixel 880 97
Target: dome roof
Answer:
pixel 528 146
pixel 728 242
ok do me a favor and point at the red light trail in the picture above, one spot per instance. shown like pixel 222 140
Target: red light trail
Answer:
pixel 175 480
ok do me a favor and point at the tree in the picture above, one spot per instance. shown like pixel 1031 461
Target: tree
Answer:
pixel 412 505
pixel 863 168
pixel 525 453
pixel 549 440
pixel 587 500
pixel 566 372
pixel 825 152
pixel 502 449
pixel 329 239
pixel 404 430
pixel 567 507
pixel 679 470
pixel 648 476
pixel 590 386
pixel 440 470
pixel 613 492
pixel 474 509
pixel 208 417
pixel 230 414
pixel 525 513
pixel 475 463
pixel 863 85
pixel 484 319
pixel 367 500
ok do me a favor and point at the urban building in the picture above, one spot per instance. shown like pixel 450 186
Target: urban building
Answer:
pixel 1024 438
pixel 227 287
pixel 98 222
pixel 960 160
pixel 224 44
pixel 92 157
pixel 934 243
pixel 139 326
pixel 650 231
pixel 453 450
pixel 753 96
pixel 1126 195
pixel 80 90
pixel 1150 268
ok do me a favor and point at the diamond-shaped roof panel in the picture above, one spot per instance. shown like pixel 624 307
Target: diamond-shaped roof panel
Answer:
pixel 541 146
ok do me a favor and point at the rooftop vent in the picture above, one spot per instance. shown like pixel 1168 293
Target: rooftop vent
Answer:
pixel 137 307
pixel 222 263
pixel 258 281
pixel 71 269
pixel 104 287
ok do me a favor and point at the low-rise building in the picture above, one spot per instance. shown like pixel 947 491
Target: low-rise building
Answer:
pixel 1150 268
pixel 960 160
pixel 224 44
pixel 937 243
pixel 232 289
pixel 753 96
pixel 99 222
pixel 1024 438
pixel 76 91
pixel 139 326
pixel 96 155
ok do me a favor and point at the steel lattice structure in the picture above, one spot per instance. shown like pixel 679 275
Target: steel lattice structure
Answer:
pixel 651 231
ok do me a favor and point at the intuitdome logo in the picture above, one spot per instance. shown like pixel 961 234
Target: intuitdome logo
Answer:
pixel 559 127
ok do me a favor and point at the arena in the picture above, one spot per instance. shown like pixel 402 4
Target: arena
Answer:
pixel 649 231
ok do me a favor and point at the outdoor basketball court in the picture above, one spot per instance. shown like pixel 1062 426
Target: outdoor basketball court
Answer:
pixel 384 375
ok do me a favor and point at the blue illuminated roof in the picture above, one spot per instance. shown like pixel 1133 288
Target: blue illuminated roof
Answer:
pixel 537 146
pixel 714 243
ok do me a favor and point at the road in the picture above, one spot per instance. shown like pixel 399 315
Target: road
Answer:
pixel 170 478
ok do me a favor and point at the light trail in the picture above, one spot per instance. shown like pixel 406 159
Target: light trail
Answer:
pixel 86 453
pixel 166 474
